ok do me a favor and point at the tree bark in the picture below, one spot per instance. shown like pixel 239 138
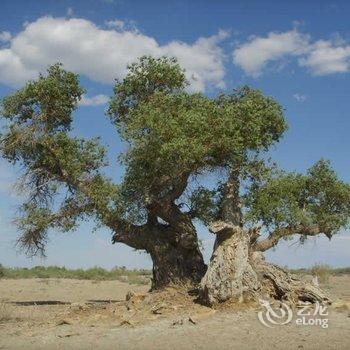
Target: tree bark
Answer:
pixel 238 272
pixel 231 203
pixel 229 274
pixel 175 253
pixel 174 264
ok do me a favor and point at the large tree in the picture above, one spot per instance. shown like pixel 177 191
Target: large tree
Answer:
pixel 175 139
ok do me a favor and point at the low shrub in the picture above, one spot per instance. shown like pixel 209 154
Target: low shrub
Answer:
pixel 341 271
pixel 322 271
pixel 94 273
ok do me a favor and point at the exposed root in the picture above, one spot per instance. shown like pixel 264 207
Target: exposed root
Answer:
pixel 279 284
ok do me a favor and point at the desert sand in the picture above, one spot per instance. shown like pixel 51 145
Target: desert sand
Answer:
pixel 77 314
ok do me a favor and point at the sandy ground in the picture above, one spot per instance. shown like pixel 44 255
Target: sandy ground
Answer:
pixel 74 314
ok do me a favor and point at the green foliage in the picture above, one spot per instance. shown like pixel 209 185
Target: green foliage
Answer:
pixel 204 204
pixel 2 271
pixel 173 136
pixel 56 165
pixel 316 198
pixel 46 103
pixel 143 79
pixel 172 133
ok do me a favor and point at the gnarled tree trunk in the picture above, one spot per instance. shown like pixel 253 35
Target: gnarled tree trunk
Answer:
pixel 174 264
pixel 176 256
pixel 229 273
pixel 175 253
pixel 238 272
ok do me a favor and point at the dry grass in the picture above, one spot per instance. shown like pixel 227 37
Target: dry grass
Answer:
pixel 5 312
pixel 322 271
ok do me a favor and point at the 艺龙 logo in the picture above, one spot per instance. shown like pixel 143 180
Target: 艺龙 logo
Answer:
pixel 273 317
pixel 307 315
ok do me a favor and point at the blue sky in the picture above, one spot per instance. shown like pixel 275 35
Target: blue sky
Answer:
pixel 298 52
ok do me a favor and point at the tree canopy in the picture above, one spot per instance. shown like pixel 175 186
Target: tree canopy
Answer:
pixel 173 136
pixel 56 166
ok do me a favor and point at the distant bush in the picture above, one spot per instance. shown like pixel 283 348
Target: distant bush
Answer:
pixel 95 273
pixel 341 271
pixel 138 279
pixel 322 271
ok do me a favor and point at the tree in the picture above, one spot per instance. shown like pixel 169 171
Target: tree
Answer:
pixel 174 137
pixel 283 205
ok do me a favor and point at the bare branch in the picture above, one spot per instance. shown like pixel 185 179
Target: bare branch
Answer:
pixel 275 236
pixel 134 236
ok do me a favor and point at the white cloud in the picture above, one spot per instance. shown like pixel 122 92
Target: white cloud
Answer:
pixel 119 25
pixel 300 97
pixel 94 100
pixel 101 54
pixel 12 70
pixel 254 55
pixel 116 23
pixel 321 57
pixel 5 36
pixel 328 57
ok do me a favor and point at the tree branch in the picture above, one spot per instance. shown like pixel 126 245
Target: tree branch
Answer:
pixel 179 187
pixel 275 236
pixel 134 236
pixel 231 206
pixel 36 222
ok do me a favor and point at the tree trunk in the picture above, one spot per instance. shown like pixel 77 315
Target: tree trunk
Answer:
pixel 238 272
pixel 176 265
pixel 176 256
pixel 229 272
